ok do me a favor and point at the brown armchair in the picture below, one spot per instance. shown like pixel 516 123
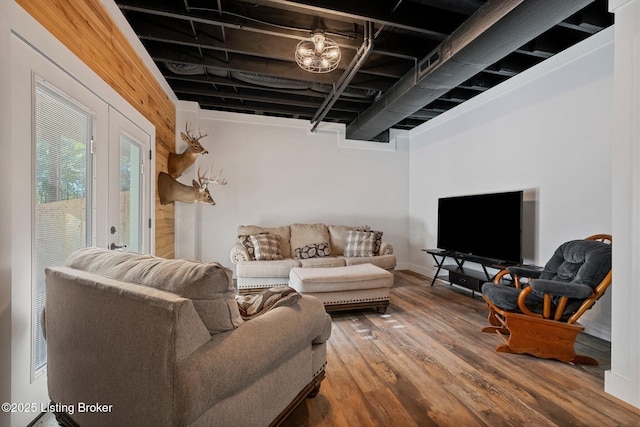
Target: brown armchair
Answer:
pixel 540 317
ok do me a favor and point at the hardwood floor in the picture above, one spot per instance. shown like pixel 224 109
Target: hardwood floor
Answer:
pixel 426 363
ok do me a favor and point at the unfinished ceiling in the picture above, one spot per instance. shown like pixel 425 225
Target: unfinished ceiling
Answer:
pixel 403 61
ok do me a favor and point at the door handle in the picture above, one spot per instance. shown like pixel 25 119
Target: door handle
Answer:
pixel 113 246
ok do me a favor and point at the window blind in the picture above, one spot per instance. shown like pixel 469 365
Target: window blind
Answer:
pixel 62 193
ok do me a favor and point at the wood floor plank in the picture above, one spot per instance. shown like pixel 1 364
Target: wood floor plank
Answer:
pixel 425 362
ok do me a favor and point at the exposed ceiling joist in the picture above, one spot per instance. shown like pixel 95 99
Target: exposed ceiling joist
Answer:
pixel 238 55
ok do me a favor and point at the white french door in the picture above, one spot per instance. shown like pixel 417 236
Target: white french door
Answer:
pixel 82 177
pixel 130 196
pixel 56 123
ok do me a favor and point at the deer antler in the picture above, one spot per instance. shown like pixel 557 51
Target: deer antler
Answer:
pixel 189 134
pixel 215 180
pixel 218 179
pixel 202 180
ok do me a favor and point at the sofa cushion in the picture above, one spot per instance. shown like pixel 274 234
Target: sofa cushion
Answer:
pixel 387 262
pixel 359 244
pixel 306 234
pixel 209 286
pixel 323 262
pixel 313 250
pixel 284 232
pixel 257 269
pixel 267 247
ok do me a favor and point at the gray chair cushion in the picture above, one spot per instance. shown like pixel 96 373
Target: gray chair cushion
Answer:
pixel 506 297
pixel 577 262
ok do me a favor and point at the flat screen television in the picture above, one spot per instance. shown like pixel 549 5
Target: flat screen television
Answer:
pixel 482 225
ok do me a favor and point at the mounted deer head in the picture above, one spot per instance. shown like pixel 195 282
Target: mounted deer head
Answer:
pixel 171 190
pixel 178 163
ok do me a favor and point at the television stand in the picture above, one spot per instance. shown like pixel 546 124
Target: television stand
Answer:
pixel 458 275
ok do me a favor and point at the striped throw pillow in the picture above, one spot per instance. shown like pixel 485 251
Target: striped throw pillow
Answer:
pixel 266 247
pixel 359 244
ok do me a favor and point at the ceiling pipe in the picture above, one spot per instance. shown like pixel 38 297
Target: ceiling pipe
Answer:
pixel 210 21
pixel 495 30
pixel 354 66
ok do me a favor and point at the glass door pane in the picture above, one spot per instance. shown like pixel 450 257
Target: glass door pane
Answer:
pixel 130 195
pixel 131 191
pixel 62 193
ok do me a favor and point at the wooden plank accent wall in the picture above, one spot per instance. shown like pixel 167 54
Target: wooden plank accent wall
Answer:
pixel 85 28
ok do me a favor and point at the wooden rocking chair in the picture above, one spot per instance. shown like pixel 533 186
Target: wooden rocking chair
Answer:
pixel 539 317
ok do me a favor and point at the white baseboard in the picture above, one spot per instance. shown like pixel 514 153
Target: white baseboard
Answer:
pixel 621 387
pixel 417 268
pixel 598 330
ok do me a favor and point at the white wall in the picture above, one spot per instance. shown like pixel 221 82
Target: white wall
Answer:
pixel 623 380
pixel 547 131
pixel 279 173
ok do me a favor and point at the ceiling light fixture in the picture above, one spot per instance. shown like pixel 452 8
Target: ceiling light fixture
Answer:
pixel 319 54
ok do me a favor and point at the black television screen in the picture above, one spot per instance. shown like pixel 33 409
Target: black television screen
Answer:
pixel 483 225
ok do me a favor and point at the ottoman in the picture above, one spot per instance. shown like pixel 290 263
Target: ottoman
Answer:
pixel 345 288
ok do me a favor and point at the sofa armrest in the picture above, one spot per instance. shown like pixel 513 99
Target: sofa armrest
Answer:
pixel 386 248
pixel 238 253
pixel 560 289
pixel 527 272
pixel 116 342
pixel 233 359
pixel 326 332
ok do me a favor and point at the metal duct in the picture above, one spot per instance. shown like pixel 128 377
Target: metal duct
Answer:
pixel 184 69
pixel 357 61
pixel 286 83
pixel 264 80
pixel 495 30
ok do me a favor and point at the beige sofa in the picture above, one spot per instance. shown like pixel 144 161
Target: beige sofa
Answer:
pixel 254 274
pixel 161 343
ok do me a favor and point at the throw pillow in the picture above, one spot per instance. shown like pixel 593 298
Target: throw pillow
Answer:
pixel 338 236
pixel 377 236
pixel 283 232
pixel 359 244
pixel 254 305
pixel 313 250
pixel 267 247
pixel 245 241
